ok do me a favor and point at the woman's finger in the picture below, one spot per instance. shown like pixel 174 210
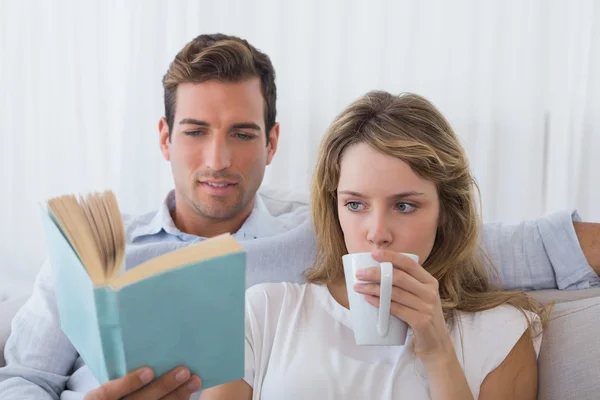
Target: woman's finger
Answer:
pixel 406 314
pixel 404 263
pixel 398 295
pixel 400 279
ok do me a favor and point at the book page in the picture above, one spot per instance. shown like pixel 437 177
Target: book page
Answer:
pixel 100 219
pixel 94 227
pixel 117 234
pixel 74 223
pixel 85 206
pixel 209 248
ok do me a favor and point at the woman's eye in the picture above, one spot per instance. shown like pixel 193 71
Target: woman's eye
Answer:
pixel 405 207
pixel 354 206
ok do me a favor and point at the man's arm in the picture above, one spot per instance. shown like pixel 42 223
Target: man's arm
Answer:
pixel 39 357
pixel 588 234
pixel 544 253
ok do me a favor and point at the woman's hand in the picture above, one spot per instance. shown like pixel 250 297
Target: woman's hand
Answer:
pixel 415 300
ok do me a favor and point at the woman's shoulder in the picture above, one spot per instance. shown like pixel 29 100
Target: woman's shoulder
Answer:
pixel 500 317
pixel 275 289
pixel 484 338
pixel 274 295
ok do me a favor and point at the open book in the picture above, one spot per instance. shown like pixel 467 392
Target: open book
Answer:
pixel 185 307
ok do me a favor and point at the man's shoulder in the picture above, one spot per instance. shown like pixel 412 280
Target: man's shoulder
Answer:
pixel 284 210
pixel 132 223
pixel 281 201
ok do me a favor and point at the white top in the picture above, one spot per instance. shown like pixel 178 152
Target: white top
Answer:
pixel 43 364
pixel 300 345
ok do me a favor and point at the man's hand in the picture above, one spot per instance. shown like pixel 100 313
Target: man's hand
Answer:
pixel 177 384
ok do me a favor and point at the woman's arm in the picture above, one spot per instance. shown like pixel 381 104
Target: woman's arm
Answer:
pixel 447 379
pixel 416 300
pixel 236 390
pixel 517 377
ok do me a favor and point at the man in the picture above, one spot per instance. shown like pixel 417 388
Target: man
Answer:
pixel 219 133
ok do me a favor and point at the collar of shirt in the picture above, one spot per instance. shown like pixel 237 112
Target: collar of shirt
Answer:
pixel 259 224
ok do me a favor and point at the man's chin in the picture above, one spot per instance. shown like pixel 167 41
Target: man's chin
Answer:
pixel 218 211
pixel 218 207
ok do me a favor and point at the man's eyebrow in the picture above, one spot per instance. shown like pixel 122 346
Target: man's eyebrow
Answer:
pixel 193 121
pixel 239 125
pixel 246 125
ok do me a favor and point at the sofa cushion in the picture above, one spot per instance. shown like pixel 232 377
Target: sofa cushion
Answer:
pixel 569 359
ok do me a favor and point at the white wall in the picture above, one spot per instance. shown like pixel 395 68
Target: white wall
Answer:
pixel 80 94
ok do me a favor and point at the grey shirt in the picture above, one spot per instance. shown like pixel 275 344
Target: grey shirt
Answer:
pixel 278 238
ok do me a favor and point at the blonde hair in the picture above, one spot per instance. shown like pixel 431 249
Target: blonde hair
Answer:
pixel 410 128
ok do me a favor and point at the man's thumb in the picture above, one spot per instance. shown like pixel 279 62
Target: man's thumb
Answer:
pixel 121 387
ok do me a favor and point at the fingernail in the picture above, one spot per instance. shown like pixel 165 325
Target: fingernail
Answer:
pixel 183 375
pixel 146 375
pixel 194 384
pixel 358 287
pixel 361 273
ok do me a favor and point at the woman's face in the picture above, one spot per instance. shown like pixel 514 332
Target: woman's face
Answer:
pixel 383 204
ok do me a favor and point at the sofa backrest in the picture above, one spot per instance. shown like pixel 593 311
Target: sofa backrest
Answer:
pixel 569 361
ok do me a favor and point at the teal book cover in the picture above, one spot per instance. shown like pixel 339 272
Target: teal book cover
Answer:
pixel 190 315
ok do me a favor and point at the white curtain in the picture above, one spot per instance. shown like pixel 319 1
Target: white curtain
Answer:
pixel 81 94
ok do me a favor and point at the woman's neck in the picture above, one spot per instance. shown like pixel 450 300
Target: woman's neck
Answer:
pixel 337 289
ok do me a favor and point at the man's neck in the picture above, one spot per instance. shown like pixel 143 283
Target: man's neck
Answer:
pixel 189 221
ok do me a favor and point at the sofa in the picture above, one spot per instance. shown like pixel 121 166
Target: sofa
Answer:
pixel 569 361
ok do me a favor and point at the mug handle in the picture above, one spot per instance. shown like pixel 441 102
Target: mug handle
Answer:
pixel 385 298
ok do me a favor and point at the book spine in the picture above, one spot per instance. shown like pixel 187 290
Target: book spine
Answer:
pixel 107 310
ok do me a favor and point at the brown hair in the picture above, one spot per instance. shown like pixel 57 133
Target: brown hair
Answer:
pixel 410 128
pixel 222 58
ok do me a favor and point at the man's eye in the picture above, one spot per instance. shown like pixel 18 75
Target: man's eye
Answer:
pixel 243 136
pixel 354 206
pixel 193 133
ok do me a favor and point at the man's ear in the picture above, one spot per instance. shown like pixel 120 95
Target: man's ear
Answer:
pixel 165 140
pixel 272 143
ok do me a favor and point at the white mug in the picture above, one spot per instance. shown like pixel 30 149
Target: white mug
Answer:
pixel 372 325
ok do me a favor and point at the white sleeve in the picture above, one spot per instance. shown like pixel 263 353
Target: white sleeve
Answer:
pixel 504 331
pixel 562 245
pixel 263 305
pixel 490 335
pixel 39 356
pixel 542 253
pixel 250 361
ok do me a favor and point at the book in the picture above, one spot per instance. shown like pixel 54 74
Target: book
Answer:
pixel 185 307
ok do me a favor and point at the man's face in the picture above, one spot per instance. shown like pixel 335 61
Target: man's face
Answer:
pixel 218 149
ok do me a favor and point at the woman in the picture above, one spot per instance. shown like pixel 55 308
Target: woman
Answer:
pixel 392 177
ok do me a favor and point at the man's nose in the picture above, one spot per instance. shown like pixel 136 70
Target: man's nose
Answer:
pixel 217 153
